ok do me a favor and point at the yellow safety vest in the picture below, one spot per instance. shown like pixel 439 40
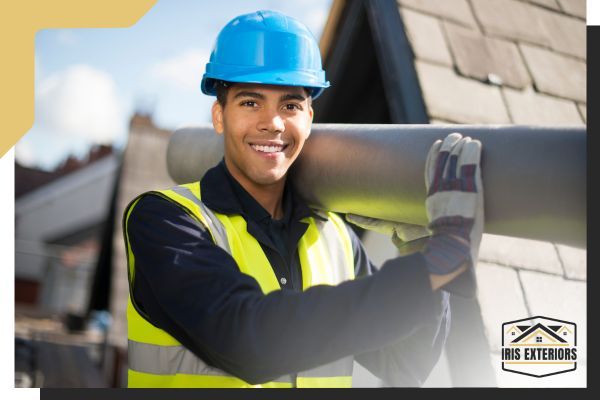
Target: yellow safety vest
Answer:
pixel 157 359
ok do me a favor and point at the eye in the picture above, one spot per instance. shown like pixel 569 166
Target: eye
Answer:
pixel 293 107
pixel 249 103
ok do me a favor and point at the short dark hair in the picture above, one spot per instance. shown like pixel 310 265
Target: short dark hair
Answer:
pixel 222 88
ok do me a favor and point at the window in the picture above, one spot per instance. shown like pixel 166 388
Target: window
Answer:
pixel 538 339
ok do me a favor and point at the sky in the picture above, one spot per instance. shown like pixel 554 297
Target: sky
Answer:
pixel 89 82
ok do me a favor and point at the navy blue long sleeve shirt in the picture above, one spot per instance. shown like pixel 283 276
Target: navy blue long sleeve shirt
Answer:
pixel 389 318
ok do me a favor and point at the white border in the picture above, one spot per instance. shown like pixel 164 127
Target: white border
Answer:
pixel 593 12
pixel 7 292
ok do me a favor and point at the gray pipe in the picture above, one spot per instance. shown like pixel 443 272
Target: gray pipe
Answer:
pixel 534 177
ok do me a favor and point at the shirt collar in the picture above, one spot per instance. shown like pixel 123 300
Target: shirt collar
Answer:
pixel 223 194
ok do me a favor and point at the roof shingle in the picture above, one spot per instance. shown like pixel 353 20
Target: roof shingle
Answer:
pixel 529 107
pixel 574 7
pixel 566 34
pixel 556 74
pixel 456 99
pixel 512 19
pixel 574 261
pixel 453 10
pixel 521 253
pixel 478 56
pixel 547 3
pixel 426 37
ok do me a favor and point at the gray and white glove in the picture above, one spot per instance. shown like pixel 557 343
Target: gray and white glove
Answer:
pixel 454 203
pixel 408 238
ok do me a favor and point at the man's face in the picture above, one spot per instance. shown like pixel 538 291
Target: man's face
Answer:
pixel 264 127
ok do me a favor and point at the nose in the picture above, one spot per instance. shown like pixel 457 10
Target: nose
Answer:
pixel 271 122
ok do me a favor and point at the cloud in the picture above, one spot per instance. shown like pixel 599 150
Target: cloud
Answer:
pixel 25 154
pixel 81 102
pixel 183 71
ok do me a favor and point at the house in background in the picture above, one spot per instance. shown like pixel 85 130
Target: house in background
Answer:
pixel 59 219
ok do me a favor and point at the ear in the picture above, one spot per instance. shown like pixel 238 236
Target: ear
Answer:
pixel 217 117
pixel 312 114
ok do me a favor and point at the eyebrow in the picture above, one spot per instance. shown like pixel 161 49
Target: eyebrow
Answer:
pixel 246 93
pixel 291 96
pixel 260 96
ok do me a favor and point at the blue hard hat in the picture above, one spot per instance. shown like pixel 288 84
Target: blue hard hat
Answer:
pixel 265 47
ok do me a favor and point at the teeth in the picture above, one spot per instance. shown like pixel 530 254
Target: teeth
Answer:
pixel 267 149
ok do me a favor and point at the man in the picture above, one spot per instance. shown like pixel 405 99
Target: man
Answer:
pixel 235 282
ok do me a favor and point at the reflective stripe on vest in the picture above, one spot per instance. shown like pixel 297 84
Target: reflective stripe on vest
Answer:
pixel 156 359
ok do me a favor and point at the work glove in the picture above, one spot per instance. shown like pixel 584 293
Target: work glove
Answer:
pixel 408 238
pixel 454 204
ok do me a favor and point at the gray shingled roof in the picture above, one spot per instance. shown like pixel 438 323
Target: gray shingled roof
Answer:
pixel 510 62
pixel 500 61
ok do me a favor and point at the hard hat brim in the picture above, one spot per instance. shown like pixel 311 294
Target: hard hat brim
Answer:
pixel 309 79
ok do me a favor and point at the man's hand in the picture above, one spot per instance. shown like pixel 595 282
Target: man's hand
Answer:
pixel 408 238
pixel 454 204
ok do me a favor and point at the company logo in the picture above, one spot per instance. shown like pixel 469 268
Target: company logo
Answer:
pixel 539 346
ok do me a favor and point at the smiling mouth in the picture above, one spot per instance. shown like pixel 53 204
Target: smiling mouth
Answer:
pixel 269 149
